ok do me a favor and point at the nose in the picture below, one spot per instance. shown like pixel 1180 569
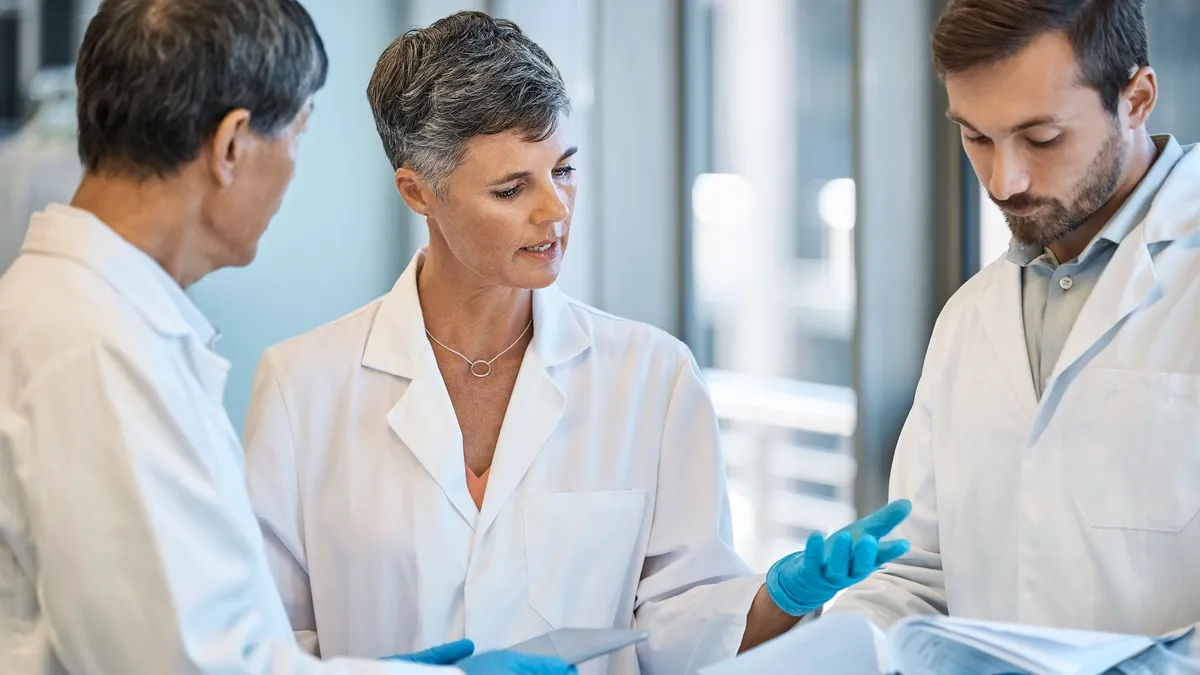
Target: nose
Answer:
pixel 1009 176
pixel 554 209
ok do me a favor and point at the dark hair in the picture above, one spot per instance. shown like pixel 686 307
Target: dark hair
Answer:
pixel 1109 37
pixel 157 77
pixel 467 74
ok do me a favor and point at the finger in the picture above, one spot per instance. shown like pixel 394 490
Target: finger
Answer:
pixel 883 521
pixel 837 567
pixel 452 652
pixel 524 664
pixel 890 550
pixel 865 553
pixel 814 554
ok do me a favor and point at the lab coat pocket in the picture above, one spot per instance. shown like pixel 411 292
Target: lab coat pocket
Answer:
pixel 1135 446
pixel 579 550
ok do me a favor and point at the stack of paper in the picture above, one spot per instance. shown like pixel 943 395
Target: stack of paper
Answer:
pixel 931 645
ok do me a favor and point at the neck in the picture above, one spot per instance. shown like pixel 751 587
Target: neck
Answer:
pixel 1141 158
pixel 467 313
pixel 158 216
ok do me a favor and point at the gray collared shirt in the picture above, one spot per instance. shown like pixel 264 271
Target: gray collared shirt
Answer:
pixel 1053 293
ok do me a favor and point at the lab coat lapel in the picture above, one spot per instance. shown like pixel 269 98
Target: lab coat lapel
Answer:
pixel 1128 282
pixel 1131 281
pixel 537 404
pixel 212 372
pixel 425 422
pixel 1004 324
pixel 423 419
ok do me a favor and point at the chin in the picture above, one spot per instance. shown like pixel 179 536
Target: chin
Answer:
pixel 536 274
pixel 538 281
pixel 244 257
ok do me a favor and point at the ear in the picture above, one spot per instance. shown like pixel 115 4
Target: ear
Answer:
pixel 415 191
pixel 229 145
pixel 1140 95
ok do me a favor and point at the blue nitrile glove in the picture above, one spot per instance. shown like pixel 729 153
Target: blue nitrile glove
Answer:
pixel 441 655
pixel 805 581
pixel 513 663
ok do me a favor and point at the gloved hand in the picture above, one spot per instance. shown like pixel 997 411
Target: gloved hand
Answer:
pixel 489 663
pixel 512 663
pixel 805 581
pixel 442 655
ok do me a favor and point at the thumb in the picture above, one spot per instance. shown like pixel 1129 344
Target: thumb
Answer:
pixel 445 655
pixel 524 664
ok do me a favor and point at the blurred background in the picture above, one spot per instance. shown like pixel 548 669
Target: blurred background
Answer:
pixel 773 181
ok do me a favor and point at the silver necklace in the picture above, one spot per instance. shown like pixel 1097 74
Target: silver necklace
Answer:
pixel 486 365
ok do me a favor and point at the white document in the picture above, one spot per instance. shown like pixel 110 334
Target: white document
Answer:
pixel 933 645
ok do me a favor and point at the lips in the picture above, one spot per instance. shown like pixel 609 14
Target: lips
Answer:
pixel 543 252
pixel 1024 212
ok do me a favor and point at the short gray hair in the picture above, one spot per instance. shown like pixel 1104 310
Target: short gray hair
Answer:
pixel 157 77
pixel 466 75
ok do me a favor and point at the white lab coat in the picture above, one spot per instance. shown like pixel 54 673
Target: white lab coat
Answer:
pixel 127 540
pixel 606 505
pixel 1079 510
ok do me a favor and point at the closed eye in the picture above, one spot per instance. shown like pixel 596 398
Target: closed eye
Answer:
pixel 509 193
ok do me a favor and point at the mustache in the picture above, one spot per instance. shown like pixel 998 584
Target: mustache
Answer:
pixel 1022 202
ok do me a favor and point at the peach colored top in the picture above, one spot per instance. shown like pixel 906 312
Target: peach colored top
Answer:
pixel 476 486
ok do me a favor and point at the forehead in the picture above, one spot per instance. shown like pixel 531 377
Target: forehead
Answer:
pixel 493 152
pixel 1042 80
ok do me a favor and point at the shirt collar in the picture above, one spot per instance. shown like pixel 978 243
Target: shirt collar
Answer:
pixel 1131 213
pixel 80 236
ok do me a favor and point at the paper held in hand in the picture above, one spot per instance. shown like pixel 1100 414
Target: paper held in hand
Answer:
pixel 931 645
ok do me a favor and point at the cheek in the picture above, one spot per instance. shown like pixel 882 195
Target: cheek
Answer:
pixel 1055 174
pixel 483 234
pixel 981 161
pixel 568 195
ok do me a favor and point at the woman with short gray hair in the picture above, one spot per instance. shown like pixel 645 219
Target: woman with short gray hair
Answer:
pixel 476 454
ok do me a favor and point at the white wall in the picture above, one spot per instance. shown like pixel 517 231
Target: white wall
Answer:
pixel 340 238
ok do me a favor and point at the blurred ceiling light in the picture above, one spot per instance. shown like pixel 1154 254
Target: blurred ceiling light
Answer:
pixel 723 199
pixel 835 203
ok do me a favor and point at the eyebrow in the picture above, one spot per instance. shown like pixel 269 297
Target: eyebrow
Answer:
pixel 1027 124
pixel 525 174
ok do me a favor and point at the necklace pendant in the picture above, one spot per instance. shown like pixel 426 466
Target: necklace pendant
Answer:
pixel 481 372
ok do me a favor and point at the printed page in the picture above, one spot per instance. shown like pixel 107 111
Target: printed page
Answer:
pixel 1023 648
pixel 923 650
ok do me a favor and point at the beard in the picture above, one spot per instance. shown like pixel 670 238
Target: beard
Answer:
pixel 1057 219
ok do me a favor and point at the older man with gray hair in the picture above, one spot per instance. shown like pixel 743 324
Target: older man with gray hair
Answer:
pixel 127 541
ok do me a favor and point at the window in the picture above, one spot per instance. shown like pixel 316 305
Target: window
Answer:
pixel 772 214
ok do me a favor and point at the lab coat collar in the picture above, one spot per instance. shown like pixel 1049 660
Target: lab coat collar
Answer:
pixel 397 343
pixel 80 236
pixel 1130 280
pixel 424 419
pixel 1175 211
